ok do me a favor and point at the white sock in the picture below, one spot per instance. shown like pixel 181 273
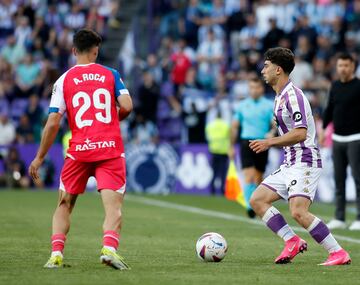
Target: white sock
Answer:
pixel 330 244
pixel 285 232
pixel 56 253
pixel 110 248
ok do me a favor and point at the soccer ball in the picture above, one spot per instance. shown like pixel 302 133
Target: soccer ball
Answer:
pixel 211 247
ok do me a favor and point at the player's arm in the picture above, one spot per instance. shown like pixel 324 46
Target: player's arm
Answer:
pixel 49 134
pixel 126 106
pixel 293 137
pixel 122 96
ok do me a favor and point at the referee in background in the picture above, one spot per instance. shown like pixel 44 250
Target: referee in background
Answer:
pixel 343 109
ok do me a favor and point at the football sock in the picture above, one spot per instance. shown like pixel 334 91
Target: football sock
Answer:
pixel 248 190
pixel 276 222
pixel 111 240
pixel 321 234
pixel 58 243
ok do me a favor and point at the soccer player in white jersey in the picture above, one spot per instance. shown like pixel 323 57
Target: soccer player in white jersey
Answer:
pixel 297 178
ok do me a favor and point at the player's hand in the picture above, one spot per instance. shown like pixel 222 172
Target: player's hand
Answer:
pixel 231 153
pixel 34 167
pixel 259 145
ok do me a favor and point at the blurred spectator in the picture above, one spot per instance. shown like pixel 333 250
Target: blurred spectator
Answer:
pixel 194 121
pixel 153 67
pixel 28 77
pixel 249 36
pixel 218 138
pixel 210 56
pixel 24 131
pixel 7 11
pixel 149 97
pixel 304 49
pixel 303 28
pixel 75 19
pixel 220 103
pixel 6 79
pixel 95 21
pixel 15 171
pixel 12 52
pixel 273 36
pixel 143 131
pixel 192 22
pixel 7 130
pixel 181 64
pixel 302 73
pixel 23 31
pixel 53 19
pixel 41 30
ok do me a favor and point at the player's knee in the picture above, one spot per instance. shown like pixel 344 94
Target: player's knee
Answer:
pixel 67 201
pixel 297 213
pixel 255 202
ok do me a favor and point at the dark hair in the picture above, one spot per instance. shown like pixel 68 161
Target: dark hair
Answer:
pixel 282 57
pixel 346 56
pixel 85 39
pixel 256 79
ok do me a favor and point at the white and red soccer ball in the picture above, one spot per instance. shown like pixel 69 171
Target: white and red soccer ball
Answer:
pixel 211 247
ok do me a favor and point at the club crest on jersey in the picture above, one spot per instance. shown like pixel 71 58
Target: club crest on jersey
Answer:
pixel 89 145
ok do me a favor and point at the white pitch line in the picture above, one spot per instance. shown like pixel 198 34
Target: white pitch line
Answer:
pixel 215 214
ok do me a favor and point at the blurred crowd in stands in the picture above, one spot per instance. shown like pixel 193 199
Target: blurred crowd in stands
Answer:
pixel 201 55
pixel 205 51
pixel 35 49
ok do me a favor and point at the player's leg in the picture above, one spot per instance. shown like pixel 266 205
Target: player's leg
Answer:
pixel 223 171
pixel 354 161
pixel 73 180
pixel 272 189
pixel 299 208
pixel 216 164
pixel 340 164
pixel 110 176
pixel 249 188
pixel 248 167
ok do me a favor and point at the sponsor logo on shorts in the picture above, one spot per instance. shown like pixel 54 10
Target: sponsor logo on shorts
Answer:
pixel 89 145
pixel 293 182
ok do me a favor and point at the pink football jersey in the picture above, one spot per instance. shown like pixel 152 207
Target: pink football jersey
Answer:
pixel 87 93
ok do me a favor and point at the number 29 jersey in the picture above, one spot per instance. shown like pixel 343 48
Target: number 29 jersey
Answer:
pixel 87 93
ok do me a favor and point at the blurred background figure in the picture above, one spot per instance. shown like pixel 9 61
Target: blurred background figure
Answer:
pixel 15 175
pixel 343 109
pixel 218 139
pixel 7 130
pixel 254 116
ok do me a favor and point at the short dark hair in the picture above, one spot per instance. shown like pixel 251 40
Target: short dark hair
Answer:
pixel 257 80
pixel 282 57
pixel 85 39
pixel 346 56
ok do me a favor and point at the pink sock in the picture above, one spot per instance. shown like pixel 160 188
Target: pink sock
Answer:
pixel 58 242
pixel 111 239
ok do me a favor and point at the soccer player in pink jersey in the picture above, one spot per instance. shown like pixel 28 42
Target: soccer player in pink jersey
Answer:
pixel 297 178
pixel 89 94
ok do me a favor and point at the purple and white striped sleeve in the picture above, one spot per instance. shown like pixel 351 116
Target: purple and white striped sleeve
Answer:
pixel 295 102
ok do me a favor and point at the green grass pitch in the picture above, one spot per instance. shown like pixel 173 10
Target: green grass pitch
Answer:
pixel 158 241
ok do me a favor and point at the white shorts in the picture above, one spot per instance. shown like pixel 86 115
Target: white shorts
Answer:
pixel 295 180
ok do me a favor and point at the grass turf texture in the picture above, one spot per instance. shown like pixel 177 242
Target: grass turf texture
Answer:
pixel 158 243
